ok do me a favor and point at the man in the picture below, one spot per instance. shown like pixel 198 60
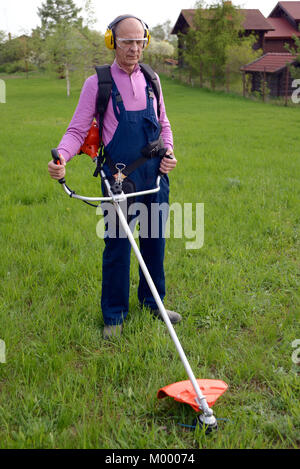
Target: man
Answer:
pixel 130 123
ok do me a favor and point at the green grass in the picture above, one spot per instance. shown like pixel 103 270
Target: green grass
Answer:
pixel 61 385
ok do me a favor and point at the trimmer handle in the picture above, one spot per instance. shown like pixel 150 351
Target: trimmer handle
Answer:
pixel 55 157
pixel 165 156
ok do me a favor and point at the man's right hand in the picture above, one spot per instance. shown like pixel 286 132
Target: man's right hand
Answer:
pixel 57 171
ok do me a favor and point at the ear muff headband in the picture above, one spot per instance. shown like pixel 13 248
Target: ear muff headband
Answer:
pixel 109 37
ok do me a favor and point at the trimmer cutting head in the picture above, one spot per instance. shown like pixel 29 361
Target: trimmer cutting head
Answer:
pixel 184 392
pixel 208 423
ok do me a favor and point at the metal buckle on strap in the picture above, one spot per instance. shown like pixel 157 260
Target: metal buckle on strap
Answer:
pixel 153 152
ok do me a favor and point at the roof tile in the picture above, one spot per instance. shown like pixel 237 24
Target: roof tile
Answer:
pixel 271 62
pixel 254 20
pixel 282 29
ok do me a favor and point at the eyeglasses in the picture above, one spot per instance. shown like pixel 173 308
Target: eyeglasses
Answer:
pixel 128 43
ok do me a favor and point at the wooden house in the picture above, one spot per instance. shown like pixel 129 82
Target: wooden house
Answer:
pixel 275 35
pixel 285 19
pixel 272 68
pixel 254 22
pixel 270 73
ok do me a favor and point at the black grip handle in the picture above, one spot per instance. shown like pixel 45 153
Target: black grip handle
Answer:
pixel 165 156
pixel 55 157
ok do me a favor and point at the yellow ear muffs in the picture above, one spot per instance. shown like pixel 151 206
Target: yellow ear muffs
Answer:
pixel 148 36
pixel 109 39
pixel 109 36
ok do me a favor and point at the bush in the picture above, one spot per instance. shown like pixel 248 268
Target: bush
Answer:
pixel 18 66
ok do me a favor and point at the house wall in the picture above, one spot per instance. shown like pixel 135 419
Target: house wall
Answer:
pixel 260 38
pixel 277 45
pixel 276 83
pixel 272 80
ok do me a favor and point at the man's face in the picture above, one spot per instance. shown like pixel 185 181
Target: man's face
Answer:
pixel 128 54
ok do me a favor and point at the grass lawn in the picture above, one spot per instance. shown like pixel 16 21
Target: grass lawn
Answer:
pixel 62 386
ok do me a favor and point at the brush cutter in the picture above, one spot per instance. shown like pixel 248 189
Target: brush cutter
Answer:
pixel 199 393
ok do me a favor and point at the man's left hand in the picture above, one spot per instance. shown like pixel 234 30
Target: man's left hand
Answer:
pixel 167 164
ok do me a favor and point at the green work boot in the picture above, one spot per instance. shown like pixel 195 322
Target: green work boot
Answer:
pixel 110 331
pixel 174 317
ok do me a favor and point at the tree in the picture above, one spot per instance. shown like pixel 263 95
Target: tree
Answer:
pixel 162 32
pixel 158 51
pixel 196 43
pixel 89 14
pixel 38 50
pixel 11 51
pixel 55 12
pixel 157 32
pixel 295 70
pixel 14 53
pixel 95 52
pixel 239 54
pixel 217 29
pixel 71 48
pixel 58 42
pixel 64 44
pixel 65 49
pixel 3 36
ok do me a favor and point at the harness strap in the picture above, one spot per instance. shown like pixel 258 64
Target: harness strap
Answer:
pixel 104 92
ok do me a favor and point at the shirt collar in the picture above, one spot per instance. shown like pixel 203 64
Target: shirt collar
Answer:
pixel 116 65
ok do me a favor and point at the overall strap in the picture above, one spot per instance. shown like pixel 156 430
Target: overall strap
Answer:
pixel 150 75
pixel 117 102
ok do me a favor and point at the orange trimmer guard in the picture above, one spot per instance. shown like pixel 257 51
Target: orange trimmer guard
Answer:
pixel 183 391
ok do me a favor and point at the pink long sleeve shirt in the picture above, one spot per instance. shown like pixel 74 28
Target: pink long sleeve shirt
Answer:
pixel 132 90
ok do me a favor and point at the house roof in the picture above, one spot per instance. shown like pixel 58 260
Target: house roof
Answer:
pixel 271 63
pixel 188 16
pixel 282 29
pixel 185 19
pixel 291 8
pixel 254 20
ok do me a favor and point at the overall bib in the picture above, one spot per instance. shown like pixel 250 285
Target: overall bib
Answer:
pixel 135 130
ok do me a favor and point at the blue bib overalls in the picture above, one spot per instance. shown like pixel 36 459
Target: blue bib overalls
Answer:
pixel 135 130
